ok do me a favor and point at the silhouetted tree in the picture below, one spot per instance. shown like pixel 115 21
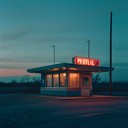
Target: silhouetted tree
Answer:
pixel 96 79
pixel 14 81
pixel 35 79
pixel 25 78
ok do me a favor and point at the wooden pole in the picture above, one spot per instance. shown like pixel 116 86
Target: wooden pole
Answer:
pixel 110 74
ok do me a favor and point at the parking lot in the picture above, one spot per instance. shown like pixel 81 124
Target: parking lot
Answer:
pixel 35 111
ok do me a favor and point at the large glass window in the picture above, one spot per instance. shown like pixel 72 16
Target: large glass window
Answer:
pixel 62 79
pixel 73 80
pixel 55 80
pixel 49 80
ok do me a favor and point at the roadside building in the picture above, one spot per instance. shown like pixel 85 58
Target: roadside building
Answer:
pixel 69 79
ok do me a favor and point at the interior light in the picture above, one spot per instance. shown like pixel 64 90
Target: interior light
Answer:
pixel 64 74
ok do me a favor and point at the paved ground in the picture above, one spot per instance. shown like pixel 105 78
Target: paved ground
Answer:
pixel 35 111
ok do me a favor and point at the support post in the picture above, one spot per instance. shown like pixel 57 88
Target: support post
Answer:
pixel 53 52
pixel 88 48
pixel 110 74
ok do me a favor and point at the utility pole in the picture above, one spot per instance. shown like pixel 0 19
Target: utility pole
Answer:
pixel 53 52
pixel 110 74
pixel 88 48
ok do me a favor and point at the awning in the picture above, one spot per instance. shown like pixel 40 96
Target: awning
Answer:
pixel 68 66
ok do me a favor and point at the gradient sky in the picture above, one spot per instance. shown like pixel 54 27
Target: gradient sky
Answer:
pixel 29 27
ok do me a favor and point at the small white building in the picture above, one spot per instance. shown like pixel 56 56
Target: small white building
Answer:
pixel 69 79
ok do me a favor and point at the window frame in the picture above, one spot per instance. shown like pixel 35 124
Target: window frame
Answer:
pixel 47 80
pixel 77 84
pixel 64 78
pixel 53 80
pixel 59 80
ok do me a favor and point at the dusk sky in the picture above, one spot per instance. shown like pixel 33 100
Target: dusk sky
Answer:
pixel 28 28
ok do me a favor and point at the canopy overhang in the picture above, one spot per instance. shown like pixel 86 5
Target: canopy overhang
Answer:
pixel 68 66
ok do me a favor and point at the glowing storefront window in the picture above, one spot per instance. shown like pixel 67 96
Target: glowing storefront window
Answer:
pixel 73 80
pixel 55 80
pixel 49 80
pixel 62 79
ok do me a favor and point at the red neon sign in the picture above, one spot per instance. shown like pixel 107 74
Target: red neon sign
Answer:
pixel 86 61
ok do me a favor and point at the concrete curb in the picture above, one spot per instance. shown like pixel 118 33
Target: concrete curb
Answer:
pixel 89 97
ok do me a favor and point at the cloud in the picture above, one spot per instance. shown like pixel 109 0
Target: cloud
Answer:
pixel 12 72
pixel 15 35
pixel 10 67
pixel 4 46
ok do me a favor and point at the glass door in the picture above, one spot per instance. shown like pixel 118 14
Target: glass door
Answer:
pixel 85 88
pixel 85 81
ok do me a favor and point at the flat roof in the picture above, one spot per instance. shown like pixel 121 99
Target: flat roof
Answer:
pixel 69 66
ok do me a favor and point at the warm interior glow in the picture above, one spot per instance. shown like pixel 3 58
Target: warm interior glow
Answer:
pixel 55 80
pixel 55 75
pixel 73 74
pixel 55 69
pixel 62 79
pixel 64 74
pixel 49 80
pixel 73 80
pixel 72 68
pixel 63 68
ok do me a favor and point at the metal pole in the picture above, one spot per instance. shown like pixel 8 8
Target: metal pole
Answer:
pixel 110 75
pixel 53 52
pixel 88 48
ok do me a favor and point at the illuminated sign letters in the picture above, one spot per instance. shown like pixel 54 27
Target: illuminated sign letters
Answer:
pixel 86 61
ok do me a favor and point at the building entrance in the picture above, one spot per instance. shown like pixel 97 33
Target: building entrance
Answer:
pixel 86 84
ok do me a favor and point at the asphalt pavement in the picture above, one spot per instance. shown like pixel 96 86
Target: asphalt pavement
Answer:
pixel 36 111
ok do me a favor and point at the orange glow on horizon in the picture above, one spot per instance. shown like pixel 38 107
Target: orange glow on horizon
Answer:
pixel 12 72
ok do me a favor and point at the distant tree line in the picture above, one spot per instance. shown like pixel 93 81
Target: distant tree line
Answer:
pixel 101 86
pixel 26 80
pixel 33 84
pixel 27 84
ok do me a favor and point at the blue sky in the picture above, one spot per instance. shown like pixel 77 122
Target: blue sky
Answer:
pixel 30 27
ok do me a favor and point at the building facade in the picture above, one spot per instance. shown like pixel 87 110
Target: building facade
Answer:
pixel 69 79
